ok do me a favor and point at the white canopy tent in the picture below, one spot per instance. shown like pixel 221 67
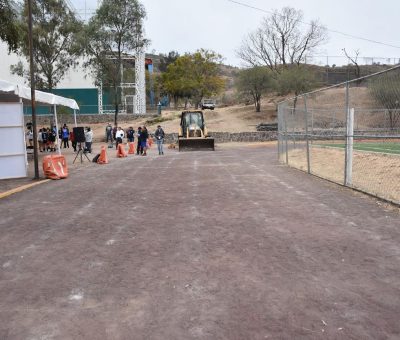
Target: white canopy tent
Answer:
pixel 13 156
pixel 10 92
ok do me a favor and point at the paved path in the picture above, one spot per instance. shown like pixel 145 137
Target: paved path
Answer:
pixel 206 245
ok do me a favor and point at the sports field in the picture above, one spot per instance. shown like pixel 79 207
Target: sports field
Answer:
pixel 382 147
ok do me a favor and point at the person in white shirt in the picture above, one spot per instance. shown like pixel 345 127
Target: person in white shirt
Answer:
pixel 119 135
pixel 88 140
pixel 29 137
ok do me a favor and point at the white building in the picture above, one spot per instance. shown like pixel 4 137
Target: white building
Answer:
pixel 74 79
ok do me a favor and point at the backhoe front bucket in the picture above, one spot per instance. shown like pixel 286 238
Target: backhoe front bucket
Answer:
pixel 193 144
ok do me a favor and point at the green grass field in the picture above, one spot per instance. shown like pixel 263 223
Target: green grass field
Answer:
pixel 381 147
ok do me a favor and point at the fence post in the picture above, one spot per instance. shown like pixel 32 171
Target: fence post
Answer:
pixel 307 136
pixel 349 148
pixel 349 141
pixel 279 132
pixel 281 136
pixel 286 137
pixel 347 130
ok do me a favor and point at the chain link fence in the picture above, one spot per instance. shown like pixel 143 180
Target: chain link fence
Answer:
pixel 348 134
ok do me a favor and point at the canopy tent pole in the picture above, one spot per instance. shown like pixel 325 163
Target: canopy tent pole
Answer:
pixel 75 118
pixel 57 137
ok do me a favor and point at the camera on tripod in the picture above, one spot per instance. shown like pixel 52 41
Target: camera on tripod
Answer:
pixel 79 134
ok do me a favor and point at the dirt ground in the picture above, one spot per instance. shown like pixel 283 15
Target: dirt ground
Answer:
pixel 208 245
pixel 70 156
pixel 375 173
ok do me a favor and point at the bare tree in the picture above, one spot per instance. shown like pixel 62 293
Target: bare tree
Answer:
pixel 385 89
pixel 354 61
pixel 281 40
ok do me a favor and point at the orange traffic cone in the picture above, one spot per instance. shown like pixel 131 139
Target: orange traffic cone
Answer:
pixel 131 148
pixel 121 151
pixel 103 156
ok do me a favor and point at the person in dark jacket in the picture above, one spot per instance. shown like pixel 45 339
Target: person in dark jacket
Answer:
pixel 139 149
pixel 109 133
pixel 159 134
pixel 45 139
pixel 51 137
pixel 130 134
pixel 114 132
pixel 144 135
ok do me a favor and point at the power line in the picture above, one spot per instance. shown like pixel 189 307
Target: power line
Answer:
pixel 306 23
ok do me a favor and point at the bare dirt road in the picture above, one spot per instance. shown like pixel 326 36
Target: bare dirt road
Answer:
pixel 207 245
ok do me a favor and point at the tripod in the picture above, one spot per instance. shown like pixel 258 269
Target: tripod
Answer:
pixel 80 152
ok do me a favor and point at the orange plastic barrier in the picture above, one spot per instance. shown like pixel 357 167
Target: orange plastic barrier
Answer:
pixel 131 148
pixel 121 151
pixel 55 167
pixel 103 156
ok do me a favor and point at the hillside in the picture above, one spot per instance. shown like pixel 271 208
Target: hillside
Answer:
pixel 236 118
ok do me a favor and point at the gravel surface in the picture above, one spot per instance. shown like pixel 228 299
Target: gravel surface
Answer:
pixel 203 245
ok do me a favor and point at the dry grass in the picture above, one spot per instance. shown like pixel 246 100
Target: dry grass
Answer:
pixel 374 173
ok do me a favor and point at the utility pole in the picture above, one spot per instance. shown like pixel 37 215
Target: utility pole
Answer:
pixel 32 69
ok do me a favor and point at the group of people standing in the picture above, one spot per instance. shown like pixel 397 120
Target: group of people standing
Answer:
pixel 142 135
pixel 66 136
pixel 47 139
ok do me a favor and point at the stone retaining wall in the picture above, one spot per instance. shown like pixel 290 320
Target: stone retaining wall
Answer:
pixel 226 137
pixel 223 137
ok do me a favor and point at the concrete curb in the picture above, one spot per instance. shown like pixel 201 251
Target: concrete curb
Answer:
pixel 21 188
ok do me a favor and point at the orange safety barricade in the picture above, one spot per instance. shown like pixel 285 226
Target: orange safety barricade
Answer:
pixel 103 156
pixel 55 167
pixel 131 148
pixel 121 151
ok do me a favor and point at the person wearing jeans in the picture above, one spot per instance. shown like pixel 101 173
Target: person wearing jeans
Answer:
pixel 88 140
pixel 144 135
pixel 119 136
pixel 65 136
pixel 159 134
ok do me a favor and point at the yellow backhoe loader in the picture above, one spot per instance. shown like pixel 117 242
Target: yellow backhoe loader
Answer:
pixel 193 133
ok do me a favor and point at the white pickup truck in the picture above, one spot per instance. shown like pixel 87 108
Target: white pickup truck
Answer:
pixel 208 104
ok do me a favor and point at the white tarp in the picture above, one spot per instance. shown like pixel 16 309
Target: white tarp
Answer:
pixel 12 141
pixel 40 97
pixel 5 86
pixel 13 159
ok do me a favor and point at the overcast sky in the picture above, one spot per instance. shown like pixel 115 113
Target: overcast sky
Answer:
pixel 220 25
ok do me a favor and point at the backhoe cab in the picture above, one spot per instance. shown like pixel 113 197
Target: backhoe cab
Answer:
pixel 193 133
